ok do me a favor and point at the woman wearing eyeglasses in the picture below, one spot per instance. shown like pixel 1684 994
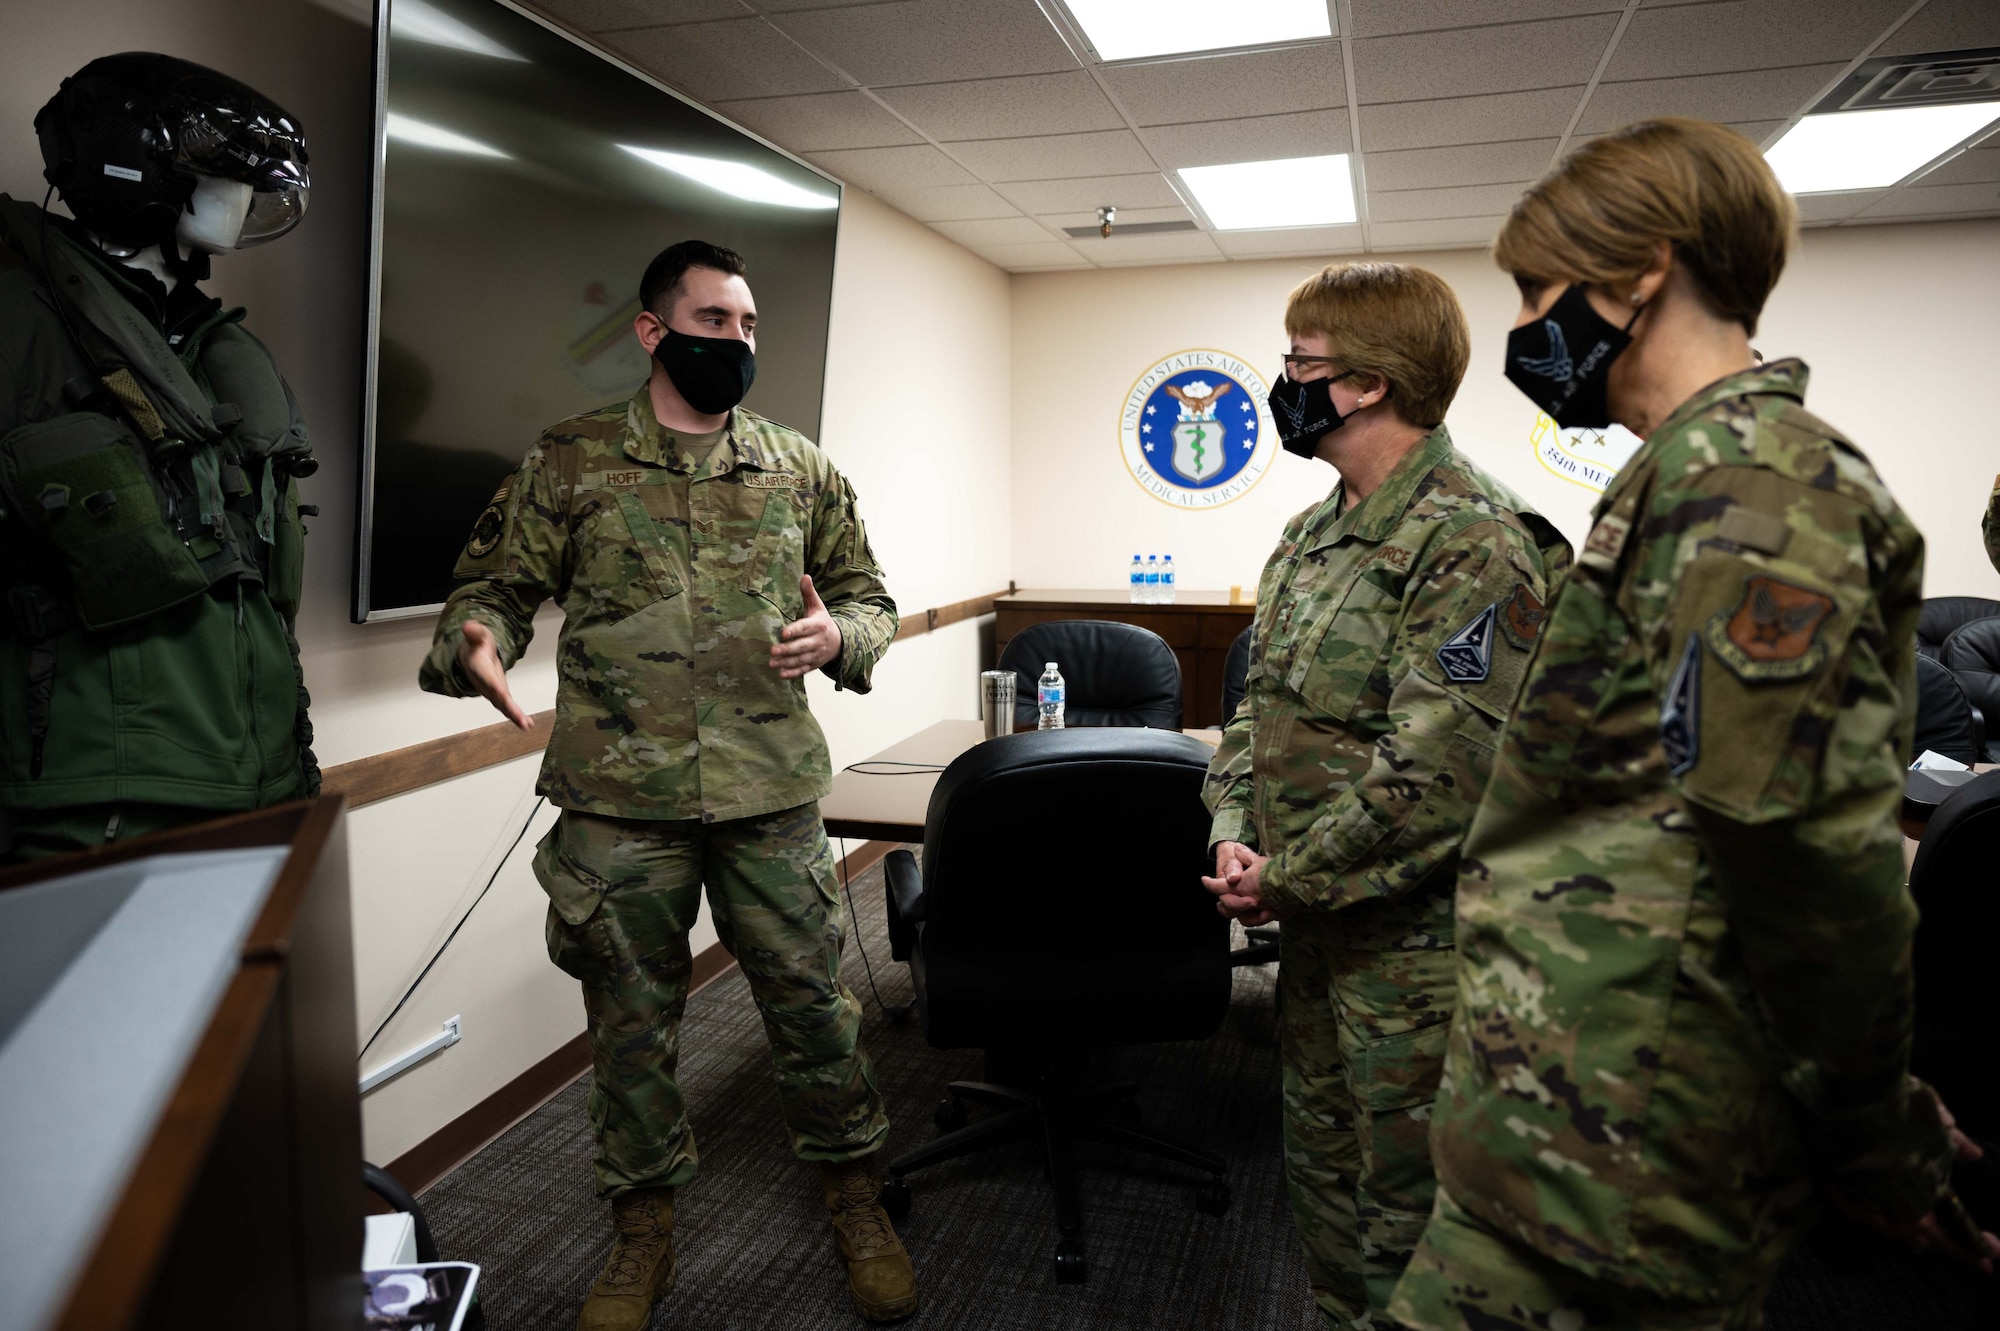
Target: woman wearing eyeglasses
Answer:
pixel 1393 626
pixel 1684 936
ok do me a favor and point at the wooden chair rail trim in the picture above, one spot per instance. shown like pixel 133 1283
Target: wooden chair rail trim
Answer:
pixel 382 776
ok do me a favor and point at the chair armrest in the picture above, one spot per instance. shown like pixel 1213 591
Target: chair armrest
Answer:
pixel 903 890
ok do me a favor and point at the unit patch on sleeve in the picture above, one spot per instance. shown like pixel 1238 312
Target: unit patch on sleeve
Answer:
pixel 489 526
pixel 1680 714
pixel 1467 655
pixel 1522 618
pixel 1773 633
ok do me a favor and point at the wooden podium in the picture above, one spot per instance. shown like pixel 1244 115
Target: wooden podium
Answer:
pixel 234 1197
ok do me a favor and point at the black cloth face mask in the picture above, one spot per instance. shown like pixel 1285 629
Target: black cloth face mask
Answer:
pixel 1562 361
pixel 712 373
pixel 1305 412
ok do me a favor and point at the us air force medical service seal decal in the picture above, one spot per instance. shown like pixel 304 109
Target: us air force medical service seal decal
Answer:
pixel 1196 429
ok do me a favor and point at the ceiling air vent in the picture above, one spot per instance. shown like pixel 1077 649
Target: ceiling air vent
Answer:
pixel 1130 229
pixel 1938 79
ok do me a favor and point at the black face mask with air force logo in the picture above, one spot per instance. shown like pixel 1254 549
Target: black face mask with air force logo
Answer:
pixel 1562 361
pixel 1304 412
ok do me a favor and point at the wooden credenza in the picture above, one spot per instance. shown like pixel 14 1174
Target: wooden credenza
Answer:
pixel 1199 626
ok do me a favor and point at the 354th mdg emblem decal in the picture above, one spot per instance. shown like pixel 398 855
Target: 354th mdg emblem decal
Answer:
pixel 1195 429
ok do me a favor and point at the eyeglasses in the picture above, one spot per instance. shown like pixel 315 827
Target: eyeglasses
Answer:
pixel 1293 364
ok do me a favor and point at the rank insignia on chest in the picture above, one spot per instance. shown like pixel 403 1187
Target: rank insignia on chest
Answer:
pixel 1773 633
pixel 1467 655
pixel 1605 543
pixel 1680 714
pixel 1522 618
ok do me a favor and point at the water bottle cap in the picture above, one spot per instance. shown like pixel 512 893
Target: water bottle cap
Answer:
pixel 1051 665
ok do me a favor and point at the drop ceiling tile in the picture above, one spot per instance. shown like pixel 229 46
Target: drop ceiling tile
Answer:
pixel 1228 87
pixel 932 41
pixel 604 15
pixel 1253 139
pixel 1050 256
pixel 820 122
pixel 1496 118
pixel 1946 25
pixel 1450 233
pixel 1478 164
pixel 1754 130
pixel 1682 40
pixel 947 203
pixel 1415 205
pixel 1126 217
pixel 1087 196
pixel 1148 249
pixel 995 231
pixel 1818 208
pixel 1109 152
pixel 1982 199
pixel 1289 241
pixel 1751 95
pixel 1976 166
pixel 1471 61
pixel 1006 108
pixel 735 58
pixel 1380 18
pixel 913 167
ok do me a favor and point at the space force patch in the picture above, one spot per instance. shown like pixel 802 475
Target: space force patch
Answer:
pixel 1680 714
pixel 1467 655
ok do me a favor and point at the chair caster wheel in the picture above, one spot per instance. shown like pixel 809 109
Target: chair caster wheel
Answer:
pixel 1212 1198
pixel 896 1199
pixel 1071 1268
pixel 950 1114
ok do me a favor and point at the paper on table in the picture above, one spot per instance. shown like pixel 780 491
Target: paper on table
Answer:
pixel 1930 760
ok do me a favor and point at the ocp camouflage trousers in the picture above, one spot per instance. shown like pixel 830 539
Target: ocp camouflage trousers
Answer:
pixel 623 894
pixel 1363 1045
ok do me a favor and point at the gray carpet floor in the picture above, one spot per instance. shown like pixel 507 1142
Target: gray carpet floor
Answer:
pixel 755 1250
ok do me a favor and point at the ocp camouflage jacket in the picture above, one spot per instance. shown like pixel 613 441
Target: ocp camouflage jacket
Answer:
pixel 1387 647
pixel 1684 935
pixel 675 574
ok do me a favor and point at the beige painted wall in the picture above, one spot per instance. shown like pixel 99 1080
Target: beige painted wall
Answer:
pixel 1893 320
pixel 919 329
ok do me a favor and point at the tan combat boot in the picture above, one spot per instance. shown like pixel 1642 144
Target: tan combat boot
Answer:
pixel 641 1268
pixel 879 1277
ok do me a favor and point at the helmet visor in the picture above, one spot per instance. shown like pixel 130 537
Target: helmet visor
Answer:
pixel 260 146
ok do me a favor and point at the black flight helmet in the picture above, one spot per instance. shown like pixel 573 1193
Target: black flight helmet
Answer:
pixel 125 138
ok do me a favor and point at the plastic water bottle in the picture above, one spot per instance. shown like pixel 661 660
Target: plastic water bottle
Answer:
pixel 1152 578
pixel 1167 579
pixel 1138 579
pixel 1049 699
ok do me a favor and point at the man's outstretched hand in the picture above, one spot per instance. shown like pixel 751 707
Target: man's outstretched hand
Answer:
pixel 809 641
pixel 479 658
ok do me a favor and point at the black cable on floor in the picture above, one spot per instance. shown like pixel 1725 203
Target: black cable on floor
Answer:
pixel 454 930
pixel 898 1012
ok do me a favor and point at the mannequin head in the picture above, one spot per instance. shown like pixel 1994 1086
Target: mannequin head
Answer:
pixel 212 221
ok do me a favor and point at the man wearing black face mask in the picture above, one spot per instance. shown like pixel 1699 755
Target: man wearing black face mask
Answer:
pixel 1394 623
pixel 706 560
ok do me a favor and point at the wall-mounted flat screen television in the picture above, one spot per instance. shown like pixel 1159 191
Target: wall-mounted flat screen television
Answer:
pixel 523 182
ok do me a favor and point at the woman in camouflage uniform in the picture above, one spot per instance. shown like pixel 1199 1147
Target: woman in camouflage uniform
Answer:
pixel 1684 996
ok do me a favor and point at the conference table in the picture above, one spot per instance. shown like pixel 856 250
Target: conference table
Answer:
pixel 885 797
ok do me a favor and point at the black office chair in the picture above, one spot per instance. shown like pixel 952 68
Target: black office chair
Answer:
pixel 1235 673
pixel 1972 654
pixel 1954 881
pixel 1942 616
pixel 1945 722
pixel 994 969
pixel 1114 674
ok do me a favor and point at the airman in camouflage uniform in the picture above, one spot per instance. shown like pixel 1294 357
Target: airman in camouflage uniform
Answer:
pixel 1389 640
pixel 1684 935
pixel 680 757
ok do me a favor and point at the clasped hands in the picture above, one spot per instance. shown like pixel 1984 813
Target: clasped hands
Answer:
pixel 806 644
pixel 1238 884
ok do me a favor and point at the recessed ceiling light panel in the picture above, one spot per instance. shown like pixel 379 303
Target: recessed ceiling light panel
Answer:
pixel 1293 191
pixel 1871 149
pixel 1134 29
